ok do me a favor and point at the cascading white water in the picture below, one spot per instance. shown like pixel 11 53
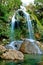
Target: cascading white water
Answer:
pixel 12 33
pixel 13 22
pixel 15 45
pixel 12 28
pixel 30 28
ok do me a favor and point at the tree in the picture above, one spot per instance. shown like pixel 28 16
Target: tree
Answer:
pixel 7 7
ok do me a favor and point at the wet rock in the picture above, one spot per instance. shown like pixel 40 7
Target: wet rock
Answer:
pixel 29 47
pixel 14 45
pixel 13 55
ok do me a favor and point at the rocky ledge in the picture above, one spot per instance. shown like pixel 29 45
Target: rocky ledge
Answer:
pixel 10 54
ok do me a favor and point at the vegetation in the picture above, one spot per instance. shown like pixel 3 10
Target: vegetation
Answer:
pixel 7 8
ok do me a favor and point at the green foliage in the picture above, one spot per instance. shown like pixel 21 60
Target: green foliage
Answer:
pixel 17 34
pixel 7 7
pixel 41 21
pixel 4 29
pixel 20 32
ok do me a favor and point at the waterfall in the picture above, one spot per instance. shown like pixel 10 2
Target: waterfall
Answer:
pixel 30 30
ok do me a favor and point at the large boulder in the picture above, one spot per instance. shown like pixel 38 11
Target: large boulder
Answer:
pixel 13 55
pixel 29 46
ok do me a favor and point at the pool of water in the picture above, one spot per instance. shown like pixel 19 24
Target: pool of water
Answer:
pixel 28 60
